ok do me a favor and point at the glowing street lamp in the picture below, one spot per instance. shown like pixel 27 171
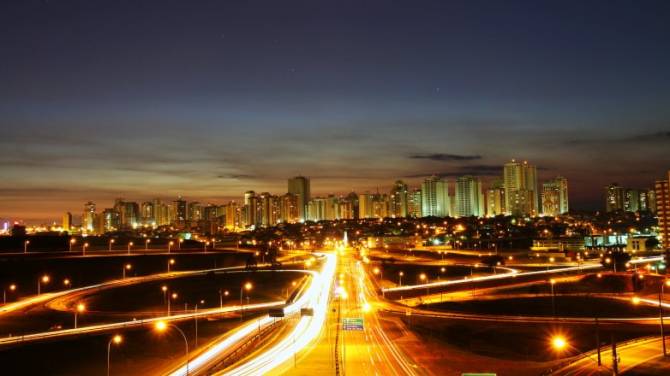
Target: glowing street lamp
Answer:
pixel 400 275
pixel 204 246
pixel 635 300
pixel 169 263
pixel 67 282
pixel 247 286
pixel 125 268
pixel 111 241
pixel 180 241
pixel 130 245
pixel 12 288
pixel 559 343
pixel 71 243
pixel 170 244
pixel 117 339
pixel 43 280
pixel 162 326
pixel 25 246
pixel 83 248
pixel 146 244
pixel 81 307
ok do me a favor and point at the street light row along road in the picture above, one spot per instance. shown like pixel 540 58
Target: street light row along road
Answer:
pixel 512 273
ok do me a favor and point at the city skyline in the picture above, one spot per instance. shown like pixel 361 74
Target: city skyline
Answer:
pixel 239 99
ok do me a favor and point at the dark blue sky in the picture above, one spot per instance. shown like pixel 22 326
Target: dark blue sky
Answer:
pixel 100 99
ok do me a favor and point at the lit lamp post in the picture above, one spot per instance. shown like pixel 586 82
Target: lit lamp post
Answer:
pixel 169 263
pixel 221 295
pixel 180 241
pixel 196 321
pixel 146 244
pixel 204 246
pixel 162 326
pixel 72 241
pixel 377 271
pixel 247 286
pixel 80 309
pixel 111 241
pixel 117 339
pixel 67 282
pixel 164 290
pixel 400 274
pixel 213 243
pixel 559 343
pixel 126 267
pixel 25 246
pixel 83 249
pixel 423 279
pixel 170 243
pixel 174 295
pixel 130 245
pixel 12 288
pixel 43 280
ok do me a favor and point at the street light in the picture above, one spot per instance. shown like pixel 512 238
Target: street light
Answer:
pixel 130 245
pixel 12 288
pixel 170 262
pixel 43 280
pixel 111 241
pixel 83 249
pixel 25 246
pixel 247 286
pixel 400 274
pixel 180 241
pixel 559 343
pixel 126 267
pixel 80 309
pixel 117 339
pixel 170 243
pixel 196 321
pixel 204 246
pixel 635 300
pixel 146 244
pixel 162 326
pixel 67 282
pixel 174 295
pixel 72 241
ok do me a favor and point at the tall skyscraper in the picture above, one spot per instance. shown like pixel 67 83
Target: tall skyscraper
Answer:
pixel 300 186
pixel 67 221
pixel 662 193
pixel 631 202
pixel 414 203
pixel 251 208
pixel 435 197
pixel 232 216
pixel 555 196
pixel 521 193
pixel 495 199
pixel 399 200
pixel 614 197
pixel 148 213
pixel 288 208
pixel 88 217
pixel 468 196
pixel 180 210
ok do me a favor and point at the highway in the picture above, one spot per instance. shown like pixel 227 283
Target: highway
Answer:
pixel 314 296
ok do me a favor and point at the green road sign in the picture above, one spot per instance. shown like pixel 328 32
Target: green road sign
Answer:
pixel 352 323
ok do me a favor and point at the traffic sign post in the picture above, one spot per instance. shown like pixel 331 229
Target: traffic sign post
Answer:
pixel 352 323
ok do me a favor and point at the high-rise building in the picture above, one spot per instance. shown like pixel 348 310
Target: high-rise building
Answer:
pixel 148 213
pixel 109 220
pixel 399 200
pixel 614 197
pixel 521 193
pixel 180 213
pixel 316 209
pixel 365 205
pixel 161 213
pixel 414 203
pixel 468 196
pixel 555 196
pixel 67 221
pixel 88 217
pixel 288 208
pixel 233 216
pixel 300 186
pixel 435 200
pixel 129 213
pixel 194 211
pixel 251 209
pixel 631 202
pixel 353 204
pixel 495 199
pixel 662 193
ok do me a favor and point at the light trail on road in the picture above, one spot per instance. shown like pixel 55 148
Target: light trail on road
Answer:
pixel 307 328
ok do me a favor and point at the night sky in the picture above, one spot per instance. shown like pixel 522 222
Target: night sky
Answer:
pixel 207 99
